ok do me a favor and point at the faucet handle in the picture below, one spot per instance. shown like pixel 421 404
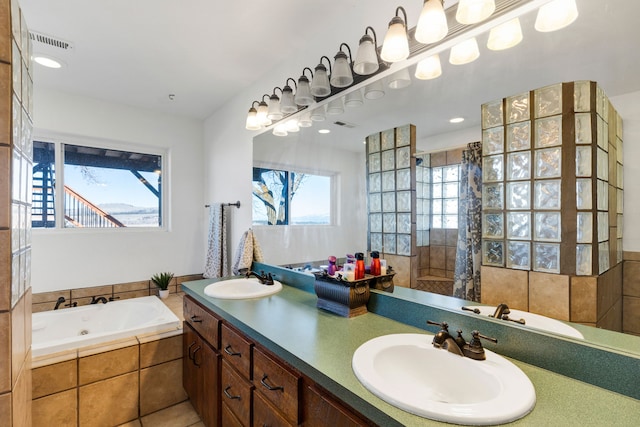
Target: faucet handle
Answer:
pixel 474 349
pixel 443 325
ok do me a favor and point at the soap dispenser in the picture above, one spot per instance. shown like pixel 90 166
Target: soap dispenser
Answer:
pixel 359 273
pixel 375 263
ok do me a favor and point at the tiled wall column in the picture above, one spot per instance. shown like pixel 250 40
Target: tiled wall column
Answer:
pixel 16 109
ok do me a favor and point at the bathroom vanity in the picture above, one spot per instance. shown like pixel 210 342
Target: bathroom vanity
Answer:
pixel 279 360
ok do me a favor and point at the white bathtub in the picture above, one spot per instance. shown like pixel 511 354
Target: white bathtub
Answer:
pixel 73 328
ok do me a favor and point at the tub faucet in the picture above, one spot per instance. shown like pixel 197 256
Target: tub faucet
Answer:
pixel 265 279
pixel 95 300
pixel 60 301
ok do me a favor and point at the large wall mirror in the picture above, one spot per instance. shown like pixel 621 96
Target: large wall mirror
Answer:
pixel 573 53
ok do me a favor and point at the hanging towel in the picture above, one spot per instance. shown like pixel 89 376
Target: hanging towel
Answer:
pixel 247 252
pixel 217 263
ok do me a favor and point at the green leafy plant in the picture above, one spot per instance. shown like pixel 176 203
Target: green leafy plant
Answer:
pixel 162 280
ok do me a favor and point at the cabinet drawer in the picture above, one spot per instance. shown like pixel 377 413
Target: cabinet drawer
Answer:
pixel 277 384
pixel 264 414
pixel 228 419
pixel 236 393
pixel 237 350
pixel 205 323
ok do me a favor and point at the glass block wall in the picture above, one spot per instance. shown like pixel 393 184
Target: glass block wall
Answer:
pixel 552 181
pixel 423 199
pixel 391 191
pixel 22 156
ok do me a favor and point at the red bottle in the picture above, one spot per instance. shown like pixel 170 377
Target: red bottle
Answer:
pixel 359 273
pixel 375 263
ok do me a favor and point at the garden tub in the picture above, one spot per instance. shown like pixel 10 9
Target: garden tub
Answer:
pixel 73 328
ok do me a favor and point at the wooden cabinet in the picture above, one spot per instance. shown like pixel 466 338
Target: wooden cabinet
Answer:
pixel 265 414
pixel 321 409
pixel 233 381
pixel 236 350
pixel 236 393
pixel 278 384
pixel 201 365
pixel 202 320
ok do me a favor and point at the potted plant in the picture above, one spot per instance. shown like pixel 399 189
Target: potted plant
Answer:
pixel 162 281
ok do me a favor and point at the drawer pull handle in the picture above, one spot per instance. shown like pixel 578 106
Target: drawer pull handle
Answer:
pixel 230 396
pixel 189 350
pixel 198 348
pixel 195 319
pixel 269 387
pixel 230 351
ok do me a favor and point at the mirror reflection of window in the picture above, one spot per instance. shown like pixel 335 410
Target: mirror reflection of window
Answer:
pixel 444 196
pixel 283 197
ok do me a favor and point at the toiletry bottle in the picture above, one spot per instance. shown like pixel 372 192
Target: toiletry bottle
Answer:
pixel 359 274
pixel 375 263
pixel 331 271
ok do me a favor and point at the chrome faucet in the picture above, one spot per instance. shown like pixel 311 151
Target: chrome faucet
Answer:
pixel 265 279
pixel 472 349
pixel 95 300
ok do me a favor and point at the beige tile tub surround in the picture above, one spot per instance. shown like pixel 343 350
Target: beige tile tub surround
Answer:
pixel 109 402
pixel 59 409
pixel 108 364
pixel 55 378
pixel 144 373
pixel 82 296
pixel 160 386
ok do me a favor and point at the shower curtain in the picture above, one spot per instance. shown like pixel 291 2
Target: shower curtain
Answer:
pixel 466 278
pixel 217 263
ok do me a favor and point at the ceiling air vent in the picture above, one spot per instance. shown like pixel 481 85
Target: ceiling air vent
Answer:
pixel 50 41
pixel 344 124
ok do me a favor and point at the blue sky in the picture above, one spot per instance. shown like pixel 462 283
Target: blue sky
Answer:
pixel 112 186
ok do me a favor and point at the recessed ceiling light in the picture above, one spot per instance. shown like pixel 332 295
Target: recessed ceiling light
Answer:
pixel 323 131
pixel 47 61
pixel 457 120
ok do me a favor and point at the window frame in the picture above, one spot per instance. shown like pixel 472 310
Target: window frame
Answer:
pixel 60 139
pixel 333 193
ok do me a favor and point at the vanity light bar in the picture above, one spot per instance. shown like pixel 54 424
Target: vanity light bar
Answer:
pixel 505 10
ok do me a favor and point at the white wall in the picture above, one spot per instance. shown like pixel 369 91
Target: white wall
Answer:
pixel 628 106
pixel 64 259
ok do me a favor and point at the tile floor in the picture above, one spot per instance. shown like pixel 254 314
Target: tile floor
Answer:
pixel 180 415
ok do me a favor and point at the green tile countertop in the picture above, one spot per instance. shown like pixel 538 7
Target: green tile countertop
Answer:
pixel 320 345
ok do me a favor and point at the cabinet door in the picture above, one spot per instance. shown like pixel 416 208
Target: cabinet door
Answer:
pixel 207 361
pixel 190 380
pixel 265 415
pixel 321 410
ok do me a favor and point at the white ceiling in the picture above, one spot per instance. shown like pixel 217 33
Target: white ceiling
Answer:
pixel 205 52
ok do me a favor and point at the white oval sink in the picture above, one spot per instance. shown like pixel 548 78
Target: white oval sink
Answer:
pixel 536 321
pixel 407 371
pixel 241 288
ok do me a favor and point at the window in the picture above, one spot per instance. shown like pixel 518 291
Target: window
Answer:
pixel 99 187
pixel 445 186
pixel 282 197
